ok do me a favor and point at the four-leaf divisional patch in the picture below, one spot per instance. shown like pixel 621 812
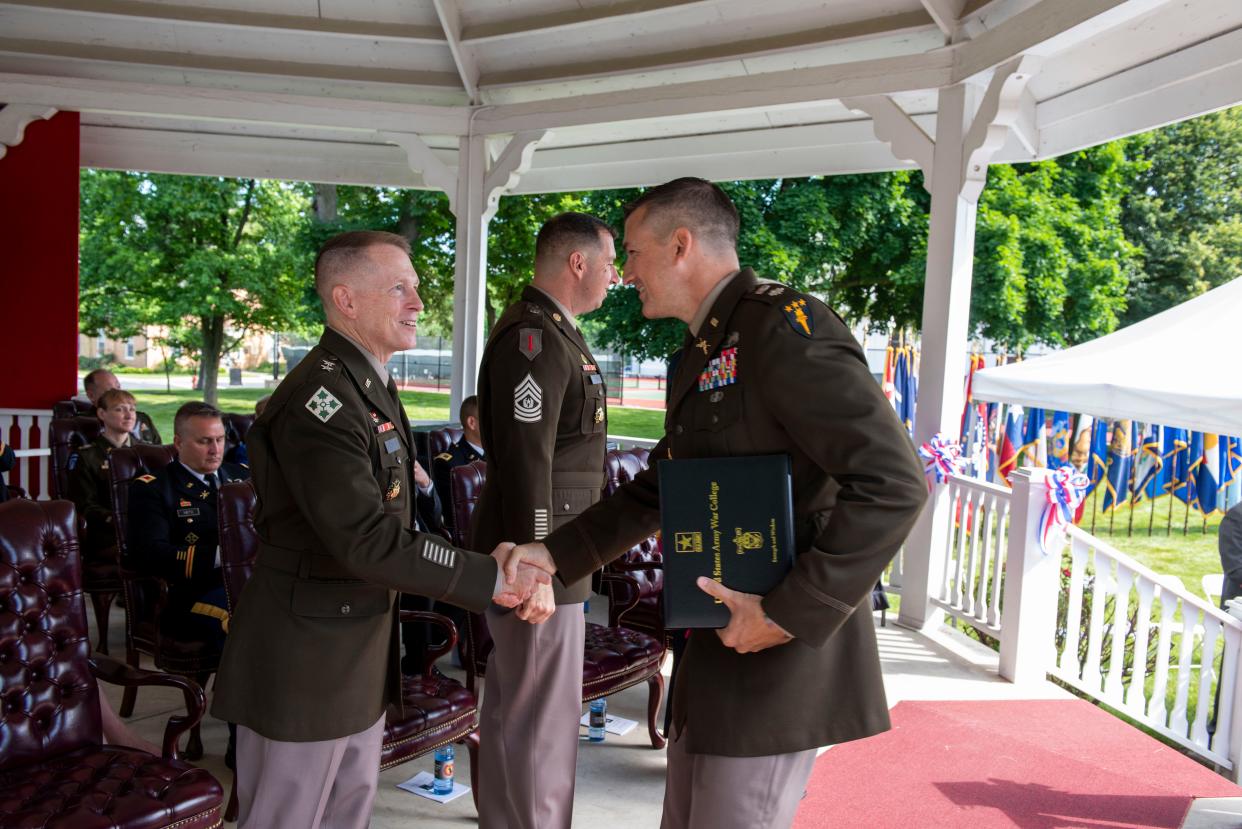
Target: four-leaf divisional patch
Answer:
pixel 528 401
pixel 323 404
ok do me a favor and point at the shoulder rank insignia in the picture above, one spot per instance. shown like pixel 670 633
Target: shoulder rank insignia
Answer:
pixel 532 308
pixel 530 342
pixel 528 401
pixel 323 404
pixel 327 365
pixel 146 479
pixel 797 317
pixel 444 456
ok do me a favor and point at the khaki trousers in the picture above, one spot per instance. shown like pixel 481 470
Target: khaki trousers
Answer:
pixel 327 784
pixel 710 791
pixel 532 701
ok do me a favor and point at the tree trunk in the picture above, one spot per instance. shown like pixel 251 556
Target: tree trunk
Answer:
pixel 209 365
pixel 325 203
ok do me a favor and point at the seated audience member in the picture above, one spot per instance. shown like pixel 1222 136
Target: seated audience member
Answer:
pixel 88 468
pixel 7 460
pixel 172 525
pixel 101 380
pixel 467 449
pixel 239 454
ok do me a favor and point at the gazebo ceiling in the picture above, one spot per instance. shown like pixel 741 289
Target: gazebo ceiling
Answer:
pixel 633 91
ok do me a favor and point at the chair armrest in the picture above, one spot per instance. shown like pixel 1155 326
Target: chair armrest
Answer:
pixel 632 589
pixel 160 586
pixel 118 673
pixel 436 619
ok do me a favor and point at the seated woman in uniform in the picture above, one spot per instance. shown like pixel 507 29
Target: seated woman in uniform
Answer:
pixel 88 470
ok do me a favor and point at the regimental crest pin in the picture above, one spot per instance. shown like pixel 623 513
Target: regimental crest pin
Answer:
pixel 528 401
pixel 323 404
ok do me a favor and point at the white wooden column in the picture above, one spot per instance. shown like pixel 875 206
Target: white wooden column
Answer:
pixel 474 192
pixel 954 170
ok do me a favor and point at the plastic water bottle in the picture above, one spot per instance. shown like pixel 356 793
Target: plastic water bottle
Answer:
pixel 597 720
pixel 443 783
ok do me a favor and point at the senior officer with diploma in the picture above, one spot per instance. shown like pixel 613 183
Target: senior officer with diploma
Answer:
pixel 798 668
pixel 311 659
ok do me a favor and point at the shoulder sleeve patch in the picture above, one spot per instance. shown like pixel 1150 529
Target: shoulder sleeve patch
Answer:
pixel 799 317
pixel 323 404
pixel 530 342
pixel 146 479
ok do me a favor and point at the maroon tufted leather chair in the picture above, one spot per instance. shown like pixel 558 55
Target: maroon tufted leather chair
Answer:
pixel 434 709
pixel 146 595
pixel 54 770
pixel 101 570
pixel 235 427
pixel 614 657
pixel 73 407
pixel 441 440
pixel 644 562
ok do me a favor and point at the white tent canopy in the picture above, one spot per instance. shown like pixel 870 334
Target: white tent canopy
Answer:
pixel 1177 369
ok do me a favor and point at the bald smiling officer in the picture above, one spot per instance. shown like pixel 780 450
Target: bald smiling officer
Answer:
pixel 312 656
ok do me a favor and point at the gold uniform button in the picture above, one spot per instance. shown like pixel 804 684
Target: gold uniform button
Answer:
pixel 345 609
pixel 567 508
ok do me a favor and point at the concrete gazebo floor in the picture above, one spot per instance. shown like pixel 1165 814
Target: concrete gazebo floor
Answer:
pixel 620 782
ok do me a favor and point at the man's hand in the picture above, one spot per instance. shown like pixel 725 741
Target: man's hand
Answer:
pixel 421 478
pixel 749 629
pixel 532 554
pixel 539 607
pixel 512 591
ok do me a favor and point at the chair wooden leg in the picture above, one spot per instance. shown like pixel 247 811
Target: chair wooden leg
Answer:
pixel 230 811
pixel 655 695
pixel 193 746
pixel 472 747
pixel 130 696
pixel 102 603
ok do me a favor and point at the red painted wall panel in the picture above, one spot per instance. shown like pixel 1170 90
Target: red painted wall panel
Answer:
pixel 39 266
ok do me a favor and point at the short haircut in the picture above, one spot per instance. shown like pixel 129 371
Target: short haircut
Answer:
pixel 113 396
pixel 195 408
pixel 89 381
pixel 348 251
pixel 563 234
pixel 693 203
pixel 469 408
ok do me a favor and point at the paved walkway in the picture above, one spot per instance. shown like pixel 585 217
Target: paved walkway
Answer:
pixel 621 782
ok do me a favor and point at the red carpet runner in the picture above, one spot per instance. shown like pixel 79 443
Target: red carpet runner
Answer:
pixel 1045 764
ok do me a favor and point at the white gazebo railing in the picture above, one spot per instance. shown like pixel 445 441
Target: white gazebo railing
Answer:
pixel 1093 618
pixel 28 432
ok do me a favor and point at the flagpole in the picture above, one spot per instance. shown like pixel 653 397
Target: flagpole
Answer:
pixel 1172 491
pixel 1133 494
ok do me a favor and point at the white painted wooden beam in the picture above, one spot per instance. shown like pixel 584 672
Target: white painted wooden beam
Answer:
pixel 15 117
pixel 467 69
pixel 947 14
pixel 423 159
pixel 202 15
pixel 232 105
pixel 624 11
pixel 896 128
pixel 998 111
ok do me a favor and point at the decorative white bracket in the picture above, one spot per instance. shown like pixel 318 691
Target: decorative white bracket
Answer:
pixel 894 127
pixel 14 118
pixel 1000 110
pixel 504 174
pixel 422 158
pixel 508 169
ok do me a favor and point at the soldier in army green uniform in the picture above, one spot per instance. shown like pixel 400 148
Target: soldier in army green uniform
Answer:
pixel 467 449
pixel 765 370
pixel 89 486
pixel 101 380
pixel 311 661
pixel 544 427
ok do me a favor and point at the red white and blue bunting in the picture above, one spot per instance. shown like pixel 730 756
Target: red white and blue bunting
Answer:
pixel 943 458
pixel 1066 491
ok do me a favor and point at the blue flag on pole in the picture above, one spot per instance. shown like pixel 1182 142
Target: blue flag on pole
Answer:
pixel 1059 440
pixel 1188 460
pixel 1150 463
pixel 1120 457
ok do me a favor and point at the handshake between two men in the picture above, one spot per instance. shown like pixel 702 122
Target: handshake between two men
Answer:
pixel 525 582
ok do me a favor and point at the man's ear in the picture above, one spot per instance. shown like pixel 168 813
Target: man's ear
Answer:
pixel 684 240
pixel 343 300
pixel 577 264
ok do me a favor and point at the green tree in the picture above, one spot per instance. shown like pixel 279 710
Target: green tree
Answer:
pixel 220 257
pixel 1190 183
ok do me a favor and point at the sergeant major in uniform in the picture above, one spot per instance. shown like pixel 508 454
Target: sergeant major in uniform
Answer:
pixel 765 370
pixel 544 427
pixel 311 662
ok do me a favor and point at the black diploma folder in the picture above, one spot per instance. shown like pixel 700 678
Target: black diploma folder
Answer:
pixel 729 519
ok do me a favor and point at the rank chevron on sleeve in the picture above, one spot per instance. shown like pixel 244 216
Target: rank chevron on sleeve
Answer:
pixel 528 401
